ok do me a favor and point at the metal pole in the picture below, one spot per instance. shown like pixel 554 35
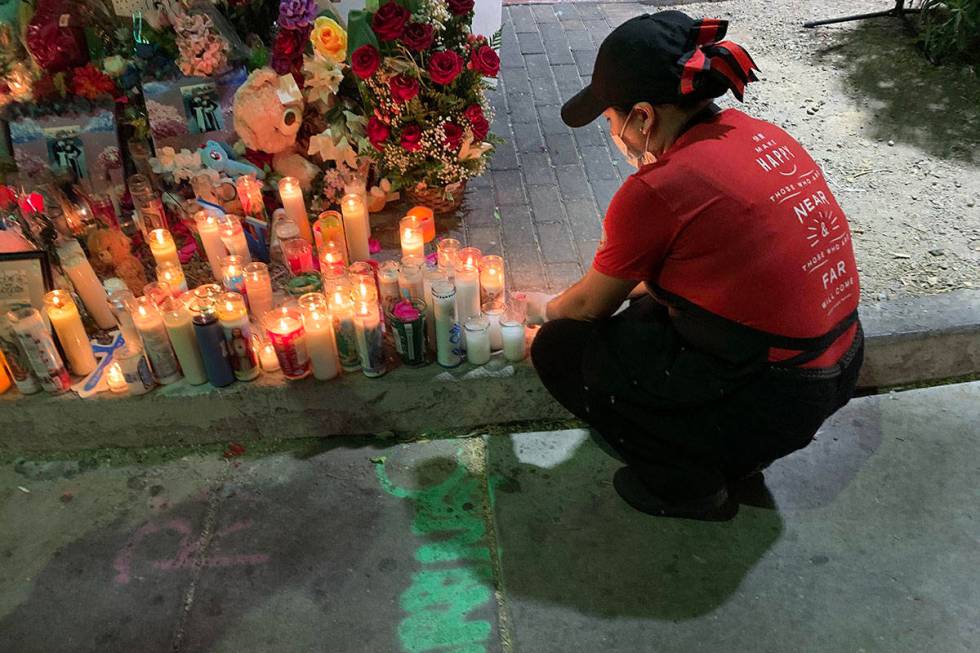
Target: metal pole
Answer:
pixel 898 11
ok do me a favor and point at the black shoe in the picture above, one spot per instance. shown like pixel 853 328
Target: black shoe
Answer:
pixel 634 491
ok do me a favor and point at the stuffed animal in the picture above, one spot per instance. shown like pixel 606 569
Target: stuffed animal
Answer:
pixel 268 115
pixel 218 157
pixel 111 255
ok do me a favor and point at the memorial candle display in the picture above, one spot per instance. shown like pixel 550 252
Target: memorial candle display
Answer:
pixel 41 352
pixel 330 229
pixel 214 248
pixel 233 274
pixel 233 317
pixel 447 255
pixel 388 275
pixel 410 279
pixel 284 327
pixel 67 323
pixel 494 313
pixel 342 313
pixel 292 201
pixel 411 237
pixel 173 276
pixel 514 338
pixel 426 219
pixel 370 339
pixel 211 343
pixel 156 341
pixel 320 340
pixel 447 329
pixel 258 287
pixel 492 279
pixel 180 327
pixel 233 237
pixel 477 340
pixel 298 255
pixel 163 247
pixel 356 226
pixel 86 284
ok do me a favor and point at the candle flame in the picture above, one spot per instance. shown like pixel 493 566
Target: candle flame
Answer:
pixel 142 310
pixel 115 375
pixel 283 324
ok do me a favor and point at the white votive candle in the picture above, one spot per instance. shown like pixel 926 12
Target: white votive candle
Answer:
pixel 410 280
pixel 214 248
pixel 156 341
pixel 514 337
pixel 492 279
pixel 67 323
pixel 233 236
pixel 180 327
pixel 447 329
pixel 477 340
pixel 320 340
pixel 411 237
pixel 388 275
pixel 467 291
pixel 356 226
pixel 291 194
pixel 163 247
pixel 258 288
pixel 494 313
pixel 173 276
pixel 87 284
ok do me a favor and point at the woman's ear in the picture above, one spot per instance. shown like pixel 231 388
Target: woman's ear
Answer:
pixel 645 109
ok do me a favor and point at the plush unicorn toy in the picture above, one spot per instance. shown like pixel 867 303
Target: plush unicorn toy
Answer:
pixel 218 157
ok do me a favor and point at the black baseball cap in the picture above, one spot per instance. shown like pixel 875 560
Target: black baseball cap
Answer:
pixel 644 60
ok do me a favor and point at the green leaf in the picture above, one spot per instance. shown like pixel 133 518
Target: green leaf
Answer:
pixel 359 31
pixel 372 5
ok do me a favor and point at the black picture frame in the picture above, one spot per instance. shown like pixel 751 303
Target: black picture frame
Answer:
pixel 35 264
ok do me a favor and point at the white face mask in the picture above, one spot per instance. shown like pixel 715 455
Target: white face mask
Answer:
pixel 635 160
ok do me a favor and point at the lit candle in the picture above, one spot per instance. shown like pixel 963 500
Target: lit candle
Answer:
pixel 427 219
pixel 494 313
pixel 64 317
pixel 430 276
pixel 117 382
pixel 163 247
pixel 330 228
pixel 86 284
pixel 250 195
pixel 492 279
pixel 158 292
pixel 331 261
pixel 292 201
pixel 40 350
pixel 267 355
pixel 180 327
pixel 120 302
pixel 173 276
pixel 345 331
pixel 233 237
pixel 357 227
pixel 299 256
pixel 214 248
pixel 370 339
pixel 258 287
pixel 447 254
pixel 156 342
pixel 233 274
pixel 514 338
pixel 238 335
pixel 410 282
pixel 447 328
pixel 211 342
pixel 135 370
pixel 284 326
pixel 406 319
pixel 468 285
pixel 320 340
pixel 411 237
pixel 477 340
pixel 388 282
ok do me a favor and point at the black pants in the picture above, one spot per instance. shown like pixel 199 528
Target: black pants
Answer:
pixel 687 421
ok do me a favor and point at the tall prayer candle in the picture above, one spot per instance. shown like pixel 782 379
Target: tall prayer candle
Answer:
pixel 494 312
pixel 478 340
pixel 238 335
pixel 331 260
pixel 370 339
pixel 330 228
pixel 411 237
pixel 211 343
pixel 233 236
pixel 120 302
pixel 250 196
pixel 163 247
pixel 410 283
pixel 492 279
pixel 87 284
pixel 64 317
pixel 284 326
pixel 357 227
pixel 513 335
pixel 135 370
pixel 447 254
pixel 388 282
pixel 430 276
pixel 156 342
pixel 43 356
pixel 467 289
pixel 258 287
pixel 180 327
pixel 447 329
pixel 427 219
pixel 342 313
pixel 173 276
pixel 233 274
pixel 214 248
pixel 320 340
pixel 295 206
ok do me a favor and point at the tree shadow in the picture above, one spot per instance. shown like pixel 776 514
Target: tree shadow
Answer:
pixel 934 108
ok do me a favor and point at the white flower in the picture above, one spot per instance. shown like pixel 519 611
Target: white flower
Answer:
pixel 188 159
pixel 324 146
pixel 322 80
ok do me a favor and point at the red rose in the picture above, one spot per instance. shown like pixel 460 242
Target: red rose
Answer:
pixel 389 21
pixel 364 61
pixel 411 138
pixel 287 50
pixel 377 132
pixel 403 88
pixel 485 61
pixel 460 7
pixel 481 127
pixel 445 66
pixel 473 112
pixel 418 36
pixel 454 135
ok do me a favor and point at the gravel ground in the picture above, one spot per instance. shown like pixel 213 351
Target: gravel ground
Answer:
pixel 898 137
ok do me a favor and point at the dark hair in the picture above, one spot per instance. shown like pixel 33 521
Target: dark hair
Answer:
pixel 712 87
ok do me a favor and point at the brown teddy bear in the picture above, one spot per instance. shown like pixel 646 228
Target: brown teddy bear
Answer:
pixel 112 256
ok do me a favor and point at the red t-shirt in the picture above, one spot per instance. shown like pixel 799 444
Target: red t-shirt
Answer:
pixel 738 219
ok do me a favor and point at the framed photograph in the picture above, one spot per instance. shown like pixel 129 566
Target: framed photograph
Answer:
pixel 24 279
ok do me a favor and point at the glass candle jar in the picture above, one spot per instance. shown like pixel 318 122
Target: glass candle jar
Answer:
pixel 477 340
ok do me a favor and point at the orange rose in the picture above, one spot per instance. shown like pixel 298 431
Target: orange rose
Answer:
pixel 329 39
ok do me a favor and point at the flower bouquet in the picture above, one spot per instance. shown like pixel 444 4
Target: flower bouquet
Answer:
pixel 422 77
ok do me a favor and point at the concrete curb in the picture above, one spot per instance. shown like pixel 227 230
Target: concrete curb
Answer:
pixel 908 341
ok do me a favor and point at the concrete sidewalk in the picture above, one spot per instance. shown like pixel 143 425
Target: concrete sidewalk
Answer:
pixel 867 540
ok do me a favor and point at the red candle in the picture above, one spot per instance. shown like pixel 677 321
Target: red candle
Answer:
pixel 284 327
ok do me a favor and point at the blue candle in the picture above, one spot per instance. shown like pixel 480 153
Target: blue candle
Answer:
pixel 214 349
